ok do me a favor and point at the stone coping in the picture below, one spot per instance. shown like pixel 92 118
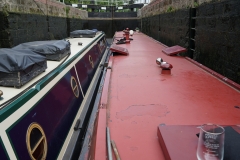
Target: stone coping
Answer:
pixel 43 7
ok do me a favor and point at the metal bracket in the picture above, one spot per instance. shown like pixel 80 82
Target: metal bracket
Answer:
pixel 76 127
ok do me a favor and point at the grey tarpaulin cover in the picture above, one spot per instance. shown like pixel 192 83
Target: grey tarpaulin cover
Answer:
pixel 53 49
pixel 83 33
pixel 17 60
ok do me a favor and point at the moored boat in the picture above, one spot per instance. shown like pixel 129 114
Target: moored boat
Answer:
pixel 39 118
pixel 150 110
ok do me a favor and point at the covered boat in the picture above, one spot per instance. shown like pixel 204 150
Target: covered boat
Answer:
pixel 53 50
pixel 40 119
pixel 83 33
pixel 17 67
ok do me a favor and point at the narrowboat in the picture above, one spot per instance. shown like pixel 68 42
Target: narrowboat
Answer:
pixel 42 111
pixel 154 101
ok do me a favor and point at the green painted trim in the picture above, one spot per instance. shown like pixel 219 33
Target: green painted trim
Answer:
pixel 83 98
pixel 18 120
pixel 48 78
pixel 12 107
pixel 78 54
pixel 38 87
pixel 2 144
pixel 15 123
pixel 8 110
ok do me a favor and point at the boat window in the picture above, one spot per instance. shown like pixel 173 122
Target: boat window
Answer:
pixel 36 142
pixel 74 87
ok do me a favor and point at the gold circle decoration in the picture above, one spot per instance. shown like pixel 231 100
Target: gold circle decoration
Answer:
pixel 74 86
pixel 36 142
pixel 91 61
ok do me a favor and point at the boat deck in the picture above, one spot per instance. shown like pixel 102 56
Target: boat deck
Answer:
pixel 140 98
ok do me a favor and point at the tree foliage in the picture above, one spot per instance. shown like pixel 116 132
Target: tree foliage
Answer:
pixel 70 1
pixel 96 2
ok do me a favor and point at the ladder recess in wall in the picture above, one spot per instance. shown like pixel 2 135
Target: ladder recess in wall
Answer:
pixel 192 29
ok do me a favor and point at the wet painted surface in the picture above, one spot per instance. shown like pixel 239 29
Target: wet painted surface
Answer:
pixel 142 110
pixel 141 98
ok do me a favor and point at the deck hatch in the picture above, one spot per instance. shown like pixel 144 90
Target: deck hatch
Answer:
pixel 120 50
pixel 174 50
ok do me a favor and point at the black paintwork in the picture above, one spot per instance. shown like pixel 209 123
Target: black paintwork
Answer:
pixel 3 155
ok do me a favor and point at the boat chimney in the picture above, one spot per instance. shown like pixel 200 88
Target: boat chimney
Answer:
pixel 126 35
pixel 1 93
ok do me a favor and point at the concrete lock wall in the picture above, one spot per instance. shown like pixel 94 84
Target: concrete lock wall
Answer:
pixel 210 30
pixel 109 26
pixel 28 20
pixel 168 28
pixel 217 42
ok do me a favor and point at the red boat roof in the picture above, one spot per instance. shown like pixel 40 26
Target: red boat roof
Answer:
pixel 141 97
